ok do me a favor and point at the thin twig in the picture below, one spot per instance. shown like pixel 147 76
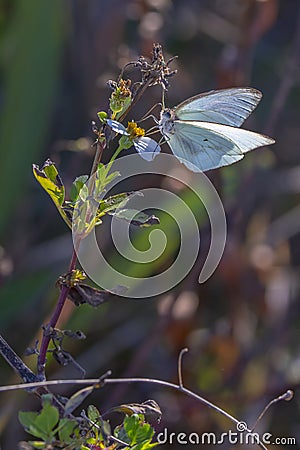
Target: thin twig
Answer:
pixel 100 147
pixel 287 396
pixel 180 379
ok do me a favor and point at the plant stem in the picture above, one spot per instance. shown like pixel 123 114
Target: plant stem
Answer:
pixel 117 152
pixel 55 316
pixel 23 371
pixel 41 363
pixel 16 362
pixel 99 151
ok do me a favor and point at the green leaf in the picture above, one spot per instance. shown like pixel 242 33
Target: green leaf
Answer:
pixel 136 432
pixel 135 217
pixel 139 432
pixel 103 430
pixel 102 116
pixel 28 420
pixel 77 185
pixel 121 434
pixel 85 216
pixel 144 433
pixel 114 202
pixel 126 104
pixel 51 182
pixel 66 429
pixel 48 418
pixel 38 444
pixel 93 413
pixel 103 178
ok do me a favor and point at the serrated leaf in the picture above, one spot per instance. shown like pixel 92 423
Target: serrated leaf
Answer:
pixel 51 182
pixel 136 218
pixel 131 425
pixel 77 185
pixel 66 429
pixel 139 432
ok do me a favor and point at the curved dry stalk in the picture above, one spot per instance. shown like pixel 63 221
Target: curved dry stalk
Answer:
pixel 180 379
pixel 287 396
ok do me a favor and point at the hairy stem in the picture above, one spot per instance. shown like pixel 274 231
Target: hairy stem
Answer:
pixel 16 362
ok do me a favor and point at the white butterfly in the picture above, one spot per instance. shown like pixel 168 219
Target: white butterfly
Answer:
pixel 203 132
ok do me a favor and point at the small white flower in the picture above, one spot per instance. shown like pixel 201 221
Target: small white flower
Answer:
pixel 145 146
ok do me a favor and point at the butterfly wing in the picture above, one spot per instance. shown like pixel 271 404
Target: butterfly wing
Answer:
pixel 225 106
pixel 203 146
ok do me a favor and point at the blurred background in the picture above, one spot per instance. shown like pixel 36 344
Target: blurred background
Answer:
pixel 243 325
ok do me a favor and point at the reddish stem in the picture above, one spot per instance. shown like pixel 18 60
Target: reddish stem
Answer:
pixel 41 363
pixel 53 321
